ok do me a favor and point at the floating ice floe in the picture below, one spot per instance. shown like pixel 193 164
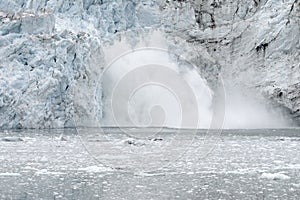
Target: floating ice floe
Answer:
pixel 46 172
pixel 274 176
pixel 296 185
pixel 148 174
pixel 9 174
pixel 95 169
pixel 30 168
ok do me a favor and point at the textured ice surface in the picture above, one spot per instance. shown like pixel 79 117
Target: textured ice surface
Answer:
pixel 52 52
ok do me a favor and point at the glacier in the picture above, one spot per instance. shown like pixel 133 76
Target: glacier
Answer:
pixel 53 52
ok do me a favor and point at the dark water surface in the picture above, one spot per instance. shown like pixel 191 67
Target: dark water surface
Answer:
pixel 150 164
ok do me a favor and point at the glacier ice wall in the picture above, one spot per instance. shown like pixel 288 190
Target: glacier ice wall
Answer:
pixel 52 51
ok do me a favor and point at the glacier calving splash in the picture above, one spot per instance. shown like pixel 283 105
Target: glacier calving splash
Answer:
pixel 53 51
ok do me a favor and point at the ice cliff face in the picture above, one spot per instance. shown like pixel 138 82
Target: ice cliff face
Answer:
pixel 52 51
